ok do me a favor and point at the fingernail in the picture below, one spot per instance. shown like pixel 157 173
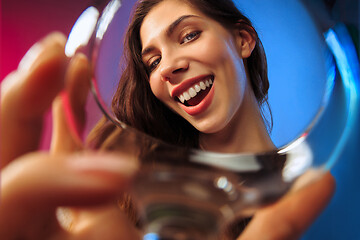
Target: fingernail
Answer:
pixel 104 162
pixel 30 57
pixel 78 58
pixel 38 48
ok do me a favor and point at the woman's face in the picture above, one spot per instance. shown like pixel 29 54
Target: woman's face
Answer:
pixel 195 64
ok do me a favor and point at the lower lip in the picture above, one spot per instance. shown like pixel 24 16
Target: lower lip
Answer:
pixel 202 106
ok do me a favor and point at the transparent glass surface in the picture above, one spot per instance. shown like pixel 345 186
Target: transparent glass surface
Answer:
pixel 194 194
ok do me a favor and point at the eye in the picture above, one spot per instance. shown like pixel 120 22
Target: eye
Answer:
pixel 190 37
pixel 154 63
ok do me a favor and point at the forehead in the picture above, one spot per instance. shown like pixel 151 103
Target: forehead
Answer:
pixel 162 15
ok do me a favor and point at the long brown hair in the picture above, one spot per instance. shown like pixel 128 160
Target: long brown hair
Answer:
pixel 134 102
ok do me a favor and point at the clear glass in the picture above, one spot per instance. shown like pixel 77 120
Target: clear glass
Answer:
pixel 194 194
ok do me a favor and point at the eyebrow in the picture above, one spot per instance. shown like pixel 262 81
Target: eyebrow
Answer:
pixel 169 31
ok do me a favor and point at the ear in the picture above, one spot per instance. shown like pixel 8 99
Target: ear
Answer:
pixel 245 42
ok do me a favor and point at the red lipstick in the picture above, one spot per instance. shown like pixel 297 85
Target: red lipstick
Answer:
pixel 202 106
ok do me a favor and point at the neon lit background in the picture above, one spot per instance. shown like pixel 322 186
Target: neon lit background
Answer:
pixel 23 22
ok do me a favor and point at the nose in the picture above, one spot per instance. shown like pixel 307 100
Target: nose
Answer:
pixel 173 68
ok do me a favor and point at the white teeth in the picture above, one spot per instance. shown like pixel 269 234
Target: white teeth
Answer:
pixel 192 92
pixel 197 88
pixel 186 96
pixel 207 83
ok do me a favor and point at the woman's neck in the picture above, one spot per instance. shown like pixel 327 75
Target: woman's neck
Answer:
pixel 245 133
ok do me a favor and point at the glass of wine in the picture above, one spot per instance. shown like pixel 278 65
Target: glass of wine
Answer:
pixel 194 194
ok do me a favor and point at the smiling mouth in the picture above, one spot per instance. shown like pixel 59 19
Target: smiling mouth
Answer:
pixel 195 94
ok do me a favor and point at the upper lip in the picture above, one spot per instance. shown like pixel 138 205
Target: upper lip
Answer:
pixel 186 84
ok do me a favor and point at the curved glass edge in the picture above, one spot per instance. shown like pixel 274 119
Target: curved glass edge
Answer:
pixel 82 32
pixel 106 17
pixel 108 13
pixel 341 48
pixel 331 130
pixel 104 21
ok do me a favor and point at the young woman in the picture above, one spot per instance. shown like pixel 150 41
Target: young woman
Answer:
pixel 167 63
pixel 203 85
pixel 195 76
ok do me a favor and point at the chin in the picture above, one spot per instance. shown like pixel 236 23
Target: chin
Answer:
pixel 210 127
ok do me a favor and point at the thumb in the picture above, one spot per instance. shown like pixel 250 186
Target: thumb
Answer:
pixel 292 215
pixel 66 180
pixel 35 184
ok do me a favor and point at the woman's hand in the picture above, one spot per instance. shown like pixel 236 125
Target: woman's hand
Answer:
pixel 35 184
pixel 289 218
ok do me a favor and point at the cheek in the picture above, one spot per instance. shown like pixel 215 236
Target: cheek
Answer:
pixel 222 57
pixel 158 87
pixel 214 51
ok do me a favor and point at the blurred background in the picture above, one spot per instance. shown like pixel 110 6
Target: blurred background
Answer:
pixel 24 22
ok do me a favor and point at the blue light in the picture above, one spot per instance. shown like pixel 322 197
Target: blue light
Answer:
pixel 344 53
pixel 151 236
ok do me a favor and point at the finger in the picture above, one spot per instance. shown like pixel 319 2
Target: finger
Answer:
pixel 78 86
pixel 66 179
pixel 105 222
pixel 291 216
pixel 34 186
pixel 69 107
pixel 27 93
